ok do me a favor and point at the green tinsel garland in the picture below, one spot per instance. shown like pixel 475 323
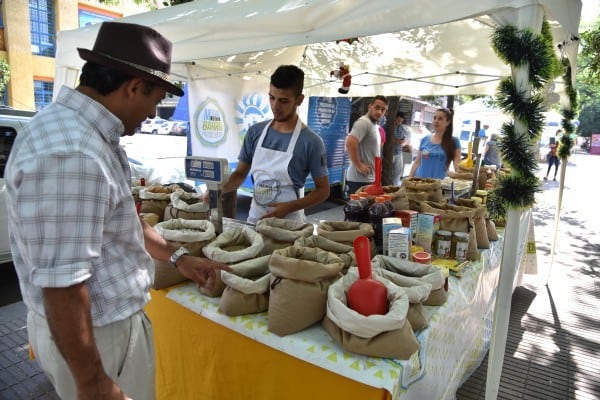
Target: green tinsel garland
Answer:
pixel 566 141
pixel 520 48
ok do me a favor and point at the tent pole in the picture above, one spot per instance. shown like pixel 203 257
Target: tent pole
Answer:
pixel 561 186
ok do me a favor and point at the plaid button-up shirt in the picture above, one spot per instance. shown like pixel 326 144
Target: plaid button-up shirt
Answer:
pixel 72 217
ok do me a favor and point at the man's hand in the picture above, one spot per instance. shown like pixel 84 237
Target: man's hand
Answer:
pixel 105 389
pixel 363 168
pixel 278 210
pixel 201 270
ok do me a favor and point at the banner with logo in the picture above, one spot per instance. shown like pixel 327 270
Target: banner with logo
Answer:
pixel 221 111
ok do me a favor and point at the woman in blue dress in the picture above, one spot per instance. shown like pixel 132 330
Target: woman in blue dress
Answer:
pixel 438 150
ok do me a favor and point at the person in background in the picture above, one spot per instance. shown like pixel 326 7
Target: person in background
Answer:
pixel 491 154
pixel 401 143
pixel 280 153
pixel 552 156
pixel 483 131
pixel 363 144
pixel 82 254
pixel 438 150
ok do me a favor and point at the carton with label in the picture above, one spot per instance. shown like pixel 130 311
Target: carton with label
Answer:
pixel 409 220
pixel 427 225
pixel 388 224
pixel 399 242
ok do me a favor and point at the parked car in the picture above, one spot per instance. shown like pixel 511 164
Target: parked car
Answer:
pixel 11 123
pixel 179 128
pixel 156 126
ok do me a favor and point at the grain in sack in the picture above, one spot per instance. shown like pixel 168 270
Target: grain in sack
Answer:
pixel 246 287
pixel 278 233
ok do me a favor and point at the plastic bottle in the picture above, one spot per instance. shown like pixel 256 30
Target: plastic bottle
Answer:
pixel 377 212
pixel 390 206
pixel 366 203
pixel 353 209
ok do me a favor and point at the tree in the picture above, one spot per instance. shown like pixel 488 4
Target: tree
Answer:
pixel 588 81
pixel 4 75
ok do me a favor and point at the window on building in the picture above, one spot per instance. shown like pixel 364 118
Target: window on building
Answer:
pixel 43 93
pixel 41 16
pixel 89 18
pixel 1 22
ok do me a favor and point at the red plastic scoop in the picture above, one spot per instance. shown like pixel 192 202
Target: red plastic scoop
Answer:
pixel 366 296
pixel 375 189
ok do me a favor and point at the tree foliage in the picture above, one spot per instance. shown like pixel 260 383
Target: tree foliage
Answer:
pixel 4 75
pixel 588 81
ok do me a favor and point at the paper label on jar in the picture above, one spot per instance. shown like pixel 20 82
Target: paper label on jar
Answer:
pixel 461 250
pixel 443 248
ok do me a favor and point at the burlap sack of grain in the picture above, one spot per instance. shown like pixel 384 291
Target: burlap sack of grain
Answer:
pixel 490 226
pixel 300 277
pixel 278 233
pixel 230 247
pixel 415 199
pixel 479 219
pixel 406 272
pixel 246 287
pixel 155 198
pixel 344 251
pixel 433 187
pixel 151 218
pixel 193 235
pixel 346 231
pixel 398 193
pixel 467 173
pixel 186 205
pixel 389 335
pixel 456 219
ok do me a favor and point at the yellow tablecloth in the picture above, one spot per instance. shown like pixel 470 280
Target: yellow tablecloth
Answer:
pixel 200 359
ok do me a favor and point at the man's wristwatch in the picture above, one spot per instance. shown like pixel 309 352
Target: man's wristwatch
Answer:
pixel 177 255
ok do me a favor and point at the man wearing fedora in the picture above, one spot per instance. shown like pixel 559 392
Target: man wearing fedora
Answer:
pixel 82 255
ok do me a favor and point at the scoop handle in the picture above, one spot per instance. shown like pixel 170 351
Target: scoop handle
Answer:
pixel 362 250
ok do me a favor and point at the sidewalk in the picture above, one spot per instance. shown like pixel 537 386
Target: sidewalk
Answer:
pixel 553 347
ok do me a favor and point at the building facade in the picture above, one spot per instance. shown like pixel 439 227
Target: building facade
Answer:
pixel 28 42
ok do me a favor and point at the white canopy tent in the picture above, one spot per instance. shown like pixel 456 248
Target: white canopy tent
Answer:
pixel 433 48
pixel 430 47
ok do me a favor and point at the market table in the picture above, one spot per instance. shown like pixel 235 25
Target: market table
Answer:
pixel 203 354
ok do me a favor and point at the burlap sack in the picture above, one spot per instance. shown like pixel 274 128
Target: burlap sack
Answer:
pixel 465 173
pixel 300 277
pixel 155 198
pixel 346 231
pixel 389 335
pixel 417 289
pixel 491 229
pixel 247 287
pixel 278 233
pixel 415 199
pixel 398 193
pixel 186 205
pixel 151 218
pixel 479 220
pixel 433 187
pixel 193 235
pixel 232 246
pixel 456 219
pixel 343 251
pixel 406 271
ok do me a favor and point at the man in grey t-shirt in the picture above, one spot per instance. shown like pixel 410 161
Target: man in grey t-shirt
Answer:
pixel 363 144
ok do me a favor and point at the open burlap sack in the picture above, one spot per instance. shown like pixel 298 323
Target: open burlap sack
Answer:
pixel 415 199
pixel 278 233
pixel 479 219
pixel 433 187
pixel 398 193
pixel 193 235
pixel 232 246
pixel 300 277
pixel 186 205
pixel 246 287
pixel 151 218
pixel 405 271
pixel 344 251
pixel 417 289
pixel 346 231
pixel 155 198
pixel 389 335
pixel 456 219
pixel 467 173
pixel 490 227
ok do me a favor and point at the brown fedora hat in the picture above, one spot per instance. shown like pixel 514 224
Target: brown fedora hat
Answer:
pixel 133 49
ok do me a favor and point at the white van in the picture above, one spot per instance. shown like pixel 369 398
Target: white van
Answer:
pixel 11 123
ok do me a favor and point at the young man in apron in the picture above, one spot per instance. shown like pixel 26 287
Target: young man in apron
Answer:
pixel 280 153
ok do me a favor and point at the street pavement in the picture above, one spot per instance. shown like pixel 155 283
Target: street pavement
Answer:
pixel 553 349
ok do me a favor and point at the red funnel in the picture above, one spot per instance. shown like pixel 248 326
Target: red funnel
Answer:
pixel 376 189
pixel 366 296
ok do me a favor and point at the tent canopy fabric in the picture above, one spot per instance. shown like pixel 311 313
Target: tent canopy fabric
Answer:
pixel 433 47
